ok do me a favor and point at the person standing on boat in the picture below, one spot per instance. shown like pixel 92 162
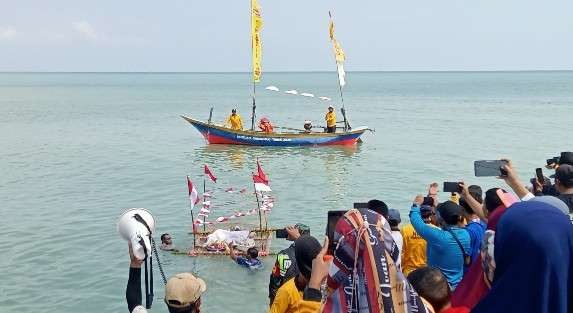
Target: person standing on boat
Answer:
pixel 234 121
pixel 330 120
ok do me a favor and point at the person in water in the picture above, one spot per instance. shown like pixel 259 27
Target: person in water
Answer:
pixel 330 119
pixel 234 121
pixel 166 243
pixel 251 261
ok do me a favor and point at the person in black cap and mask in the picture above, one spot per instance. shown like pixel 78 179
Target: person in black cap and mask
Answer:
pixel 449 246
pixel 290 294
pixel 564 184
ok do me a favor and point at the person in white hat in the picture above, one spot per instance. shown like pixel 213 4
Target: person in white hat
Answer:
pixel 182 291
pixel 330 119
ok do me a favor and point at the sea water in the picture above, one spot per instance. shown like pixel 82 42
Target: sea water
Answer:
pixel 76 150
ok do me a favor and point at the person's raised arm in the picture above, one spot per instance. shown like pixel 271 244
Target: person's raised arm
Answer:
pixel 512 180
pixel 473 203
pixel 133 290
pixel 232 254
pixel 427 232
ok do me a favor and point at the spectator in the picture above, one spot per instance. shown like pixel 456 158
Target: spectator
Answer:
pixel 534 262
pixel 290 294
pixel 182 292
pixel 479 277
pixel 448 246
pixel 285 266
pixel 379 207
pixel 394 220
pixel 251 261
pixel 414 246
pixel 432 286
pixel 475 226
pixel 564 184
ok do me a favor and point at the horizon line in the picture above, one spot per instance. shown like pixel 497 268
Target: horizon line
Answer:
pixel 281 72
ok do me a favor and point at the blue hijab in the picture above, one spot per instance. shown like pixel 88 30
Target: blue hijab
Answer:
pixel 534 262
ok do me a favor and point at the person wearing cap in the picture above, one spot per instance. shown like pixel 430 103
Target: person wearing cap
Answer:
pixel 564 184
pixel 182 291
pixel 379 207
pixel 290 294
pixel 448 246
pixel 414 246
pixel 394 220
pixel 285 266
pixel 330 119
pixel 234 121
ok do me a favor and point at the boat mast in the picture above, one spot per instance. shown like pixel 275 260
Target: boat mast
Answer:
pixel 339 58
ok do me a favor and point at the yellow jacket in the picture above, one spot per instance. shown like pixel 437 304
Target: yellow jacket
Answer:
pixel 288 298
pixel 330 119
pixel 413 250
pixel 235 122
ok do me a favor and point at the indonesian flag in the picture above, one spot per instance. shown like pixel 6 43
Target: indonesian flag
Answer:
pixel 193 195
pixel 208 173
pixel 261 180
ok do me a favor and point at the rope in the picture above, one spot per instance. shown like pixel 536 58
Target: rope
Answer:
pixel 158 262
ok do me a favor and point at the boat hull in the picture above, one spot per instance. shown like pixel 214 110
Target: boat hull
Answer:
pixel 221 135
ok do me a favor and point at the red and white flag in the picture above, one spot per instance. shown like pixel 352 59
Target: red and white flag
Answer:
pixel 210 174
pixel 261 180
pixel 193 195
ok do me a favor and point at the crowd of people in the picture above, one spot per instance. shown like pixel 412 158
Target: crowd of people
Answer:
pixel 493 251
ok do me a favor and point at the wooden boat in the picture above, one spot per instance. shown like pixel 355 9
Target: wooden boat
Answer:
pixel 215 134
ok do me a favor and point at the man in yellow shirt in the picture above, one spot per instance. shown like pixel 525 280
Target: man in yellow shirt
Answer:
pixel 234 121
pixel 414 249
pixel 330 120
pixel 289 297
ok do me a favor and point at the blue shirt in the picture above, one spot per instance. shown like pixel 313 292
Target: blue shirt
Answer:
pixel 253 264
pixel 442 249
pixel 476 229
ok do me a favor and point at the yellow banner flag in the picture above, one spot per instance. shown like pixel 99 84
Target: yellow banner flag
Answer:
pixel 256 26
pixel 338 53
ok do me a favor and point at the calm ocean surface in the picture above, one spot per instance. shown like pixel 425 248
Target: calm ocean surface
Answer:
pixel 78 149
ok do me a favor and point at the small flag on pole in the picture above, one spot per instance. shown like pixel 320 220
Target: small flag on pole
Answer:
pixel 193 195
pixel 210 174
pixel 261 180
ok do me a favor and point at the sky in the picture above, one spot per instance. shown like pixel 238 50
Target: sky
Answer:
pixel 214 35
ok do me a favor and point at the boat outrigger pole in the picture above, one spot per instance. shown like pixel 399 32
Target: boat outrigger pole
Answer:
pixel 253 114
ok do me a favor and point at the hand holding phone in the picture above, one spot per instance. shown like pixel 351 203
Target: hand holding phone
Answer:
pixel 281 233
pixel 539 175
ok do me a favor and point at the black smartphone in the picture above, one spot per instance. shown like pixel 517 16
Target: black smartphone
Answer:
pixel 451 187
pixel 281 233
pixel 485 168
pixel 539 175
pixel 550 161
pixel 332 219
pixel 361 205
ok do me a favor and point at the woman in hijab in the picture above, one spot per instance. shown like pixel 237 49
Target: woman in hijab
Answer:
pixel 533 257
pixel 363 275
pixel 477 280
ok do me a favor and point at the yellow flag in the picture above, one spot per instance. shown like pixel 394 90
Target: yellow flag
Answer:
pixel 338 53
pixel 256 26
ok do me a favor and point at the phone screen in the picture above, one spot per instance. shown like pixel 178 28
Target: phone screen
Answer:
pixel 333 217
pixel 281 233
pixel 487 168
pixel 451 186
pixel 539 174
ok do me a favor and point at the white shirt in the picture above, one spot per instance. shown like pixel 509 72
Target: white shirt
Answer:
pixel 397 236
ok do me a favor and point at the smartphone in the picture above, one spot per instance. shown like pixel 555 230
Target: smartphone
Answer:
pixel 281 233
pixel 487 168
pixel 554 160
pixel 539 174
pixel 361 205
pixel 332 219
pixel 451 187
